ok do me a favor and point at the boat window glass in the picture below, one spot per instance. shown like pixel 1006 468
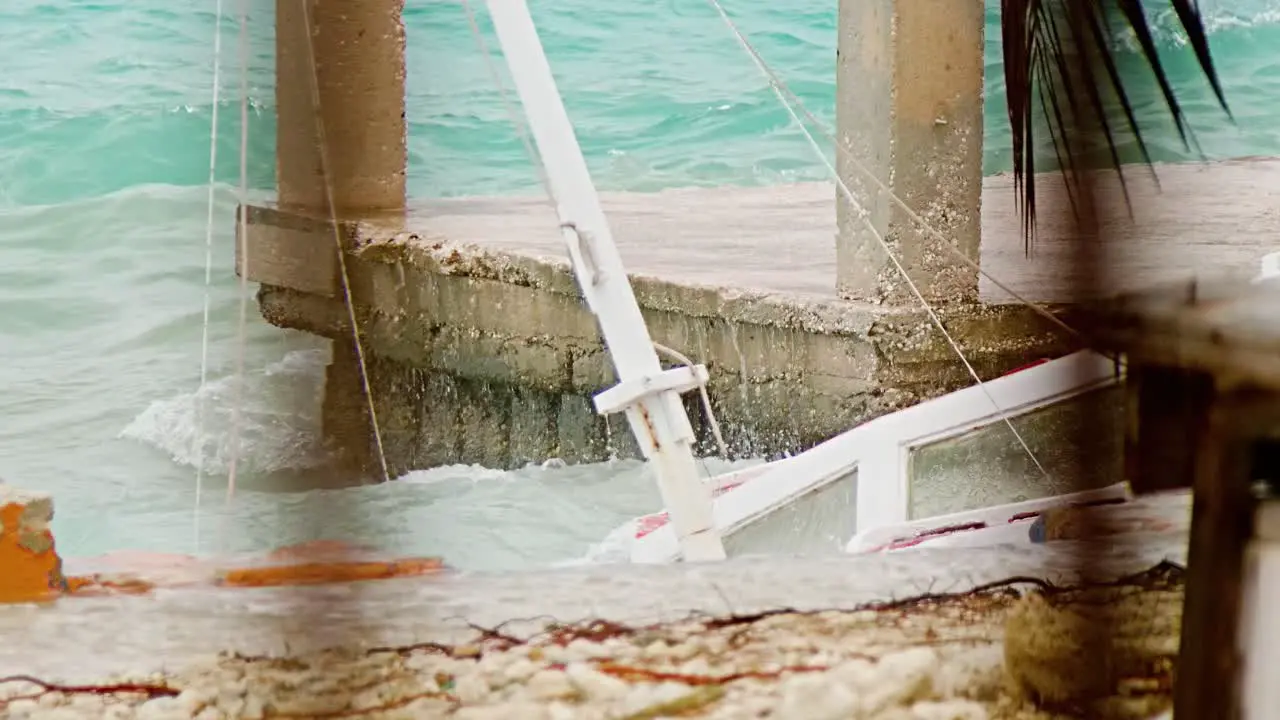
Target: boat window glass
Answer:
pixel 988 466
pixel 819 522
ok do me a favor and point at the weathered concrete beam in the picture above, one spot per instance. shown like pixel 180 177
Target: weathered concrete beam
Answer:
pixel 909 110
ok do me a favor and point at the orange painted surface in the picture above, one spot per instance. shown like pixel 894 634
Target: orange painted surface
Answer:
pixel 107 585
pixel 29 571
pixel 318 550
pixel 325 561
pixel 326 572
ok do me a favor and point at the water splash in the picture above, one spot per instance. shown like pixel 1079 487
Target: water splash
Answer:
pixel 281 420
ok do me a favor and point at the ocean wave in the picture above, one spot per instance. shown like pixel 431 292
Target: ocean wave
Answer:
pixel 275 430
pixel 1239 18
pixel 48 156
pixel 667 92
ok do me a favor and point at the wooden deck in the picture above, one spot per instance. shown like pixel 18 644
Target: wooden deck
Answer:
pixel 1211 216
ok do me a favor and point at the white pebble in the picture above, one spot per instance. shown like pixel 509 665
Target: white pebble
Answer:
pixel 595 684
pixel 64 713
pixel 549 684
pixel 561 711
pixel 646 696
pixel 117 712
pixel 471 688
pixel 425 662
pixel 899 679
pixel 581 649
pixel 520 669
pixel 196 698
pixel 521 710
pixel 252 709
pixel 164 708
pixel 685 650
pixel 817 697
pixel 657 650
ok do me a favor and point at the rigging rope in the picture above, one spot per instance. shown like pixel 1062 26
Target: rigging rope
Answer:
pixel 864 216
pixel 242 239
pixel 208 269
pixel 362 364
pixel 948 244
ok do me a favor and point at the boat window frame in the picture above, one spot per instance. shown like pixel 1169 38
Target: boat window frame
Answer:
pixel 879 450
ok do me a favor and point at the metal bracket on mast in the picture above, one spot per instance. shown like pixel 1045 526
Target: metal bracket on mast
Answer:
pixel 630 392
pixel 649 395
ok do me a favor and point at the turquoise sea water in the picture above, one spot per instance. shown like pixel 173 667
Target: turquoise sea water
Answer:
pixel 105 114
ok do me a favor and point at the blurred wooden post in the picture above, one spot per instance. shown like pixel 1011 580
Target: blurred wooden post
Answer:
pixel 909 108
pixel 340 140
pixel 1216 346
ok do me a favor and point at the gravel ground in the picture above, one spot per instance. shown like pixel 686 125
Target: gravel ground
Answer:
pixel 1005 651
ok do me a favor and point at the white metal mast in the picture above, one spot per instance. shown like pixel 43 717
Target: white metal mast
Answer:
pixel 649 395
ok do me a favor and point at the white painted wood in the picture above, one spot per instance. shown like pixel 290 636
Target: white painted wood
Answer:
pixel 1260 623
pixel 1269 267
pixel 886 465
pixel 657 416
pixel 878 536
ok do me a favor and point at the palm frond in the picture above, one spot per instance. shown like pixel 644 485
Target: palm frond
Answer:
pixel 1044 42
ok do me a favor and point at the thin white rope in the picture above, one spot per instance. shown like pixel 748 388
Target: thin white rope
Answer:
pixel 864 216
pixel 242 239
pixel 949 244
pixel 513 113
pixel 337 241
pixel 702 392
pixel 208 270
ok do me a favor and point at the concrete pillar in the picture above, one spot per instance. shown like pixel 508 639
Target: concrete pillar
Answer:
pixel 356 85
pixel 359 69
pixel 909 108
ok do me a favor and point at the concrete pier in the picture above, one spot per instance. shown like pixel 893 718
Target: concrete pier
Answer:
pixel 483 352
pixel 476 341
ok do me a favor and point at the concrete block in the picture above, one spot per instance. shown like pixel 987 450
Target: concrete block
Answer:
pixel 579 430
pixel 592 371
pixel 531 362
pixel 439 407
pixel 30 569
pixel 533 426
pixel 484 424
pixel 397 393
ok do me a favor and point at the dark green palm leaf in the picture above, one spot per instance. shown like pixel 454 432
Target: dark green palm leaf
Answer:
pixel 1042 40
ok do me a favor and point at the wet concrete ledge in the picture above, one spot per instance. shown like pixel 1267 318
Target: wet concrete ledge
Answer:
pixel 489 356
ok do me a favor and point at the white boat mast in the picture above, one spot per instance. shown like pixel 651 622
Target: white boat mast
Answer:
pixel 649 395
